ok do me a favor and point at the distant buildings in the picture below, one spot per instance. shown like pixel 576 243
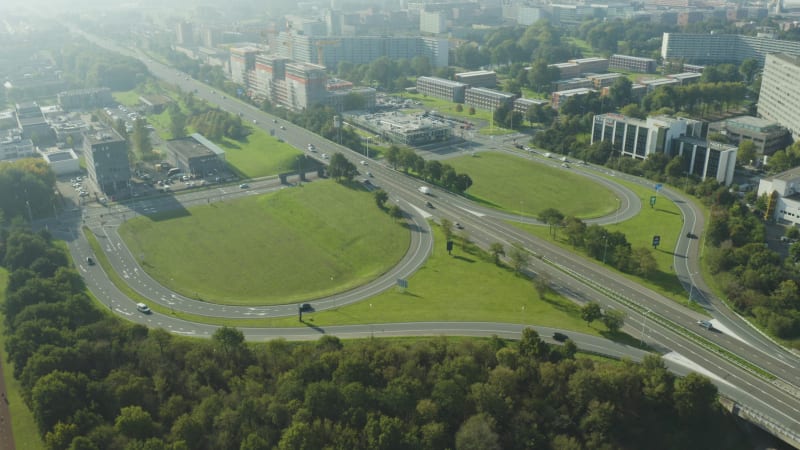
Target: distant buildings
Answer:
pixel 32 122
pixel 483 98
pixel 478 78
pixel 404 129
pixel 106 155
pixel 328 51
pixel 557 98
pixel 14 146
pixel 639 139
pixel 82 99
pixel 445 89
pixel 779 99
pixel 722 48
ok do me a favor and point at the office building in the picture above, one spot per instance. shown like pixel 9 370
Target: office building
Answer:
pixel 632 64
pixel 573 83
pixel 722 48
pixel 639 139
pixel 196 155
pixel 449 90
pixel 62 162
pixel 566 70
pixel 768 136
pixel 780 91
pixel 306 85
pixel 433 22
pixel 602 80
pixel 399 128
pixel 33 124
pixel 106 156
pixel 521 105
pixel 478 78
pixel 489 99
pixel 243 61
pixel 659 82
pixel 184 34
pixel 594 65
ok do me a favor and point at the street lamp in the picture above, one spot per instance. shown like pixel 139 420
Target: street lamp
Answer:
pixel 644 324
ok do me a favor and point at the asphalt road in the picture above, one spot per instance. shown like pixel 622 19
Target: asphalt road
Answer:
pixel 570 274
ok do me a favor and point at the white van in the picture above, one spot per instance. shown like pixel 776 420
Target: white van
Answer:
pixel 143 308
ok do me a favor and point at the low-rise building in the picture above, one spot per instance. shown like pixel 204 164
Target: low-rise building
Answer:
pixel 489 99
pixel 686 77
pixel 573 83
pixel 445 89
pixel 82 99
pixel 196 155
pixel 419 129
pixel 62 162
pixel 521 105
pixel 632 64
pixel 783 193
pixel 602 80
pixel 558 98
pixel 767 136
pixel 14 146
pixel 478 78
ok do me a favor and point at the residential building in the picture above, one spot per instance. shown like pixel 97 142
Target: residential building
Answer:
pixel 328 51
pixel 780 91
pixel 686 77
pixel 573 83
pixel 567 70
pixel 722 48
pixel 632 64
pixel 445 89
pixel 478 78
pixel 557 98
pixel 243 61
pixel 783 192
pixel 184 33
pixel 106 156
pixel 433 22
pixel 85 99
pixel 521 105
pixel 594 65
pixel 768 136
pixel 602 80
pixel 659 82
pixel 196 155
pixel 483 98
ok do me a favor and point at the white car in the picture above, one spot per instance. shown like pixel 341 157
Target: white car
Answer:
pixel 363 163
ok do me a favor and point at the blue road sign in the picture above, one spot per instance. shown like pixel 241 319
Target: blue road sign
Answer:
pixel 658 186
pixel 403 283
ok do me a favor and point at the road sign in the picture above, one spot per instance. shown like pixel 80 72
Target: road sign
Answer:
pixel 403 283
pixel 652 201
pixel 658 186
pixel 656 240
pixel 449 246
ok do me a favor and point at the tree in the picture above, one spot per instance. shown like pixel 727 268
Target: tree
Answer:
pixel 381 197
pixel 477 433
pixel 393 155
pixel 553 218
pixel 135 423
pixel 395 212
pixel 591 312
pixel 497 250
pixel 140 139
pixel 643 262
pixel 519 258
pixel 447 228
pixel 177 122
pixel 747 153
pixel 340 168
pixel 614 319
pixel 541 283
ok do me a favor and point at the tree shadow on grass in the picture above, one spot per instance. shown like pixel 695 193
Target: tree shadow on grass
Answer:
pixel 231 144
pixel 462 258
pixel 625 339
pixel 564 307
pixel 668 212
pixel 668 282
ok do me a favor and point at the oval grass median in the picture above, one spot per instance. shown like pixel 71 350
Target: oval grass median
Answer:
pixel 292 245
pixel 521 186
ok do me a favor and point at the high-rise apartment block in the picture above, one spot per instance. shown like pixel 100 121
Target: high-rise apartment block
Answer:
pixel 780 92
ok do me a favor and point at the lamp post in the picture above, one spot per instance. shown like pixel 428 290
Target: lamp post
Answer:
pixel 644 324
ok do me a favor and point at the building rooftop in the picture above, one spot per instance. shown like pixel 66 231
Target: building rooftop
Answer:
pixel 64 155
pixel 445 81
pixel 786 176
pixel 792 59
pixel 750 122
pixel 491 92
pixel 476 73
pixel 194 145
pixel 105 135
pixel 637 58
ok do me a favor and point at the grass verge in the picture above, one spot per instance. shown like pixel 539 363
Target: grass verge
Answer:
pixel 521 186
pixel 292 245
pixel 26 434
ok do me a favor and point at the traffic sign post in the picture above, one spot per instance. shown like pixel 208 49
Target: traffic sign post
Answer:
pixel 402 283
pixel 656 241
pixel 449 247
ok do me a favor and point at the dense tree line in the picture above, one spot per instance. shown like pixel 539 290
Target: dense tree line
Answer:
pixel 87 65
pixel 95 382
pixel 210 121
pixel 434 171
pixel 28 187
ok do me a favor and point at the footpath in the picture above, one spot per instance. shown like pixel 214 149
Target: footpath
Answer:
pixel 6 436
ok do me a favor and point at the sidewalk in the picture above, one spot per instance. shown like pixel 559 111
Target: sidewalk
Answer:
pixel 6 436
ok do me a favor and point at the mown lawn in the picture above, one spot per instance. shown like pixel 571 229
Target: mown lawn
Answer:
pixel 665 220
pixel 26 434
pixel 260 154
pixel 284 247
pixel 522 186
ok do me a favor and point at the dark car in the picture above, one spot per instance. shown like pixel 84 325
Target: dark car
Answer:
pixel 89 261
pixel 306 307
pixel 560 337
pixel 429 205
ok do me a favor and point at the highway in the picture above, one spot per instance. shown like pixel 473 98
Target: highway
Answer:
pixel 660 322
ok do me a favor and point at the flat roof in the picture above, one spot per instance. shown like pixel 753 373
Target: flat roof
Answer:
pixel 104 135
pixel 60 156
pixel 476 73
pixel 444 81
pixel 750 122
pixel 195 145
pixel 490 92
pixel 788 175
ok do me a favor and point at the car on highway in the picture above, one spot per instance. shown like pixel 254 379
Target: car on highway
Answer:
pixel 324 156
pixel 255 121
pixel 283 127
pixel 429 205
pixel 89 261
pixel 142 308
pixel 244 186
pixel 560 337
pixel 369 174
pixel 705 324
pixel 311 148
pixel 459 226
pixel 363 163
pixel 306 307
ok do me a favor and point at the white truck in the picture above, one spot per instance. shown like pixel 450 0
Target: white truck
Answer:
pixel 425 190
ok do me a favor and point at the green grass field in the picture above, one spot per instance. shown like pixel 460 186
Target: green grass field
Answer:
pixel 293 245
pixel 127 98
pixel 26 434
pixel 260 155
pixel 665 220
pixel 447 108
pixel 522 186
